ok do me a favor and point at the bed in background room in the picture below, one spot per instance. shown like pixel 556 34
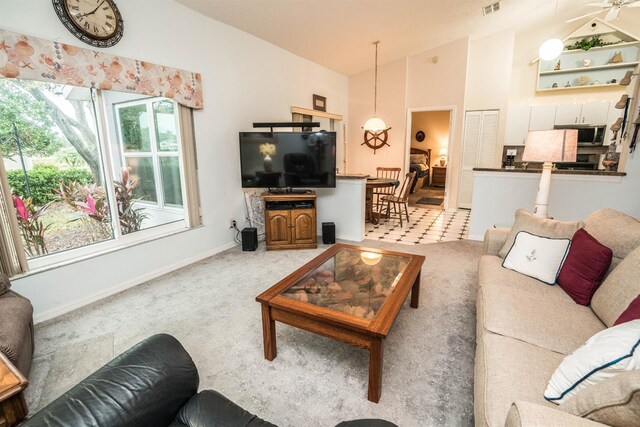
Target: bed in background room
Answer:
pixel 419 161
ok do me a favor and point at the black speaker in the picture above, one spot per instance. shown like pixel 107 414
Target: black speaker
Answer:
pixel 249 239
pixel 328 233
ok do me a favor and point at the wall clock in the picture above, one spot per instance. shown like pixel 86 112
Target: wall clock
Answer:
pixel 419 136
pixel 95 22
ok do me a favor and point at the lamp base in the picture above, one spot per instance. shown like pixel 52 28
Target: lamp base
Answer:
pixel 540 209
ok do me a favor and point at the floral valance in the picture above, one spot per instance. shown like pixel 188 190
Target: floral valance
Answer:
pixel 34 58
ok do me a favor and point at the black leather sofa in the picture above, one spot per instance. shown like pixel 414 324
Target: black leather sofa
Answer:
pixel 155 383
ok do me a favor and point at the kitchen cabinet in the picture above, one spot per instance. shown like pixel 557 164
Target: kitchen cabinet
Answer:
pixel 591 113
pixel 542 117
pixel 595 113
pixel 568 114
pixel 517 125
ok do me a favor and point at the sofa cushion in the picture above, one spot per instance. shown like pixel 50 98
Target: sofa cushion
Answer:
pixel 5 283
pixel 523 414
pixel 537 257
pixel 526 221
pixel 615 402
pixel 585 267
pixel 508 370
pixel 603 356
pixel 618 290
pixel 631 313
pixel 615 230
pixel 559 325
pixel 492 273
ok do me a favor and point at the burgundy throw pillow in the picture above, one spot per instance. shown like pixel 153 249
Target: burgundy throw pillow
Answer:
pixel 584 268
pixel 631 313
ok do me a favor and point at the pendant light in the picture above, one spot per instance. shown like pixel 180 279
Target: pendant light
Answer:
pixel 551 49
pixel 375 123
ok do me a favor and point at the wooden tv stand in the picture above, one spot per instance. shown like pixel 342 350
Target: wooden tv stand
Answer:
pixel 290 221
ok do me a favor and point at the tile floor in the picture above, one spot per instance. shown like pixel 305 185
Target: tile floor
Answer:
pixel 425 226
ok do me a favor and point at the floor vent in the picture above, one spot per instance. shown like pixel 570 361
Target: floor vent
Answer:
pixel 491 8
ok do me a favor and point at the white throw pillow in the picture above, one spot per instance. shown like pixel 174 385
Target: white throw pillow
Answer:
pixel 537 257
pixel 604 355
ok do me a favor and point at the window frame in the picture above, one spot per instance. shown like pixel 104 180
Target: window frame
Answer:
pixel 119 240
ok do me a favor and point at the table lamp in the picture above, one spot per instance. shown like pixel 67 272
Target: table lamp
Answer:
pixel 443 155
pixel 549 146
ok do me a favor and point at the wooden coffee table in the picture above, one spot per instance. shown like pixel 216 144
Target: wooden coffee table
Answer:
pixel 349 293
pixel 13 407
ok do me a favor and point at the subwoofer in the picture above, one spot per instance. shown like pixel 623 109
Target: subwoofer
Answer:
pixel 328 233
pixel 249 239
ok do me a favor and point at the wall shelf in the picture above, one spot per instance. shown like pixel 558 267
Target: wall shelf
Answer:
pixel 601 73
pixel 597 67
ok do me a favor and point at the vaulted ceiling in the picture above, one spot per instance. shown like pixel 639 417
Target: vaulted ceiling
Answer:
pixel 338 33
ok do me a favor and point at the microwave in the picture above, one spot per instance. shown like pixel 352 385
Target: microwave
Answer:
pixel 588 135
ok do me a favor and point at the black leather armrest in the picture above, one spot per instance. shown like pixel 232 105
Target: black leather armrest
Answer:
pixel 210 408
pixel 144 386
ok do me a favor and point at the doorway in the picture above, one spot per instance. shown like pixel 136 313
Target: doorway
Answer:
pixel 430 134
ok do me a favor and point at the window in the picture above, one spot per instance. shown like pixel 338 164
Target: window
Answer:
pixel 91 170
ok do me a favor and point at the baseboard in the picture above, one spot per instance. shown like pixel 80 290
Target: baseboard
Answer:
pixel 475 237
pixel 349 238
pixel 59 311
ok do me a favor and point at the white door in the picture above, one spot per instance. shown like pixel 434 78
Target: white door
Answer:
pixel 542 117
pixel 478 149
pixel 517 125
pixel 595 113
pixel 568 114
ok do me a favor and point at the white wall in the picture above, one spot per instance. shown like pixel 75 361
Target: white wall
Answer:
pixel 244 79
pixel 391 109
pixel 489 78
pixel 442 84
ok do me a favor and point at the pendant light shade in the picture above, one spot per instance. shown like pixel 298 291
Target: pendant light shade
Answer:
pixel 375 124
pixel 551 49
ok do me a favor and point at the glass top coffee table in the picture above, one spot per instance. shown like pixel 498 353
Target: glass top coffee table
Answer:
pixel 348 293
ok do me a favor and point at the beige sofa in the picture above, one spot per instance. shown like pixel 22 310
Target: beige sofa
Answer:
pixel 525 328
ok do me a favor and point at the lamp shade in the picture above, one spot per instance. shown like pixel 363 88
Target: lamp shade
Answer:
pixel 375 124
pixel 442 152
pixel 560 145
pixel 551 49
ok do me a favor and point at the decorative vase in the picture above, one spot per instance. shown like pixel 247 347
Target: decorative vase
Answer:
pixel 268 166
pixel 611 159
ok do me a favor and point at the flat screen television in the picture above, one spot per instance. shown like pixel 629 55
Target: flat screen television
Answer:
pixel 288 159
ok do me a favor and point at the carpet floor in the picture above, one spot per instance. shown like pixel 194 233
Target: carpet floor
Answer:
pixel 210 307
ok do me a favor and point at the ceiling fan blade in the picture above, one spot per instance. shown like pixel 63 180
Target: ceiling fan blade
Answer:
pixel 612 14
pixel 599 4
pixel 584 16
pixel 634 4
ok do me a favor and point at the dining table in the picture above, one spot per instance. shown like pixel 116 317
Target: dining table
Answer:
pixel 373 184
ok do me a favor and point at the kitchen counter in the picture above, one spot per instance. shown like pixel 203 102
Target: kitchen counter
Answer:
pixel 352 176
pixel 557 171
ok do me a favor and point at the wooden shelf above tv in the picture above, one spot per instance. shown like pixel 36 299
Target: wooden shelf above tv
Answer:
pixel 315 113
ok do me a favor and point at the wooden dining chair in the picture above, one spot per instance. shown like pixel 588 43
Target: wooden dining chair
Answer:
pixel 401 200
pixel 378 193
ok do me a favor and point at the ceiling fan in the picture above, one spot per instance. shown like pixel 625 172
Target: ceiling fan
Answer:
pixel 613 7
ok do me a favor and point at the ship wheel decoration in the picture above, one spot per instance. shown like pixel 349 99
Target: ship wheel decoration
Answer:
pixel 376 132
pixel 376 139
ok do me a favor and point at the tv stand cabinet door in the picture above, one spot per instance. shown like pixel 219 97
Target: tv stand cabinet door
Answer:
pixel 278 228
pixel 304 226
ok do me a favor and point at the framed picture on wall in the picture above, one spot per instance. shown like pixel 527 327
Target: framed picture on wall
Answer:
pixel 319 103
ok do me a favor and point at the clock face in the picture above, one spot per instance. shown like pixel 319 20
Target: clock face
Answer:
pixel 96 22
